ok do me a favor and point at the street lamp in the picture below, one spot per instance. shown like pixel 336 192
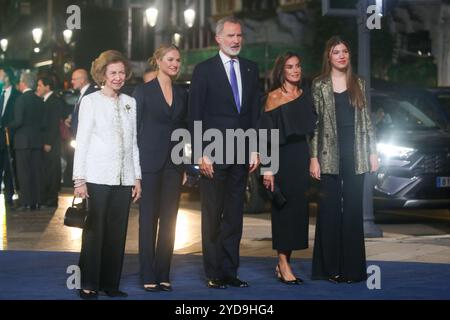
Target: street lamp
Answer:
pixel 189 17
pixel 37 50
pixel 37 35
pixel 151 15
pixel 67 34
pixel 176 39
pixel 4 44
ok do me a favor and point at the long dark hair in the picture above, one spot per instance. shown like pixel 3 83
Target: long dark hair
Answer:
pixel 277 78
pixel 354 90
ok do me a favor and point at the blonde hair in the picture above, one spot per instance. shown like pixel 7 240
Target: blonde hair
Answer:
pixel 99 65
pixel 159 54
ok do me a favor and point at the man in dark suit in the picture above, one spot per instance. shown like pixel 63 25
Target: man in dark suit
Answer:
pixel 224 95
pixel 28 124
pixel 54 113
pixel 8 96
pixel 80 81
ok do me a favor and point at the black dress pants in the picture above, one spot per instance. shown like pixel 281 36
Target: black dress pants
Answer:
pixel 158 212
pixel 222 216
pixel 103 241
pixel 339 247
pixel 6 176
pixel 51 180
pixel 29 172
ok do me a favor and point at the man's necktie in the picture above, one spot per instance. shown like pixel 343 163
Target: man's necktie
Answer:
pixel 234 85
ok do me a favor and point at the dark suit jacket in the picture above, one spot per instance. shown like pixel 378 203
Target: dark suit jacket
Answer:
pixel 7 117
pixel 54 113
pixel 74 124
pixel 212 102
pixel 155 123
pixel 29 122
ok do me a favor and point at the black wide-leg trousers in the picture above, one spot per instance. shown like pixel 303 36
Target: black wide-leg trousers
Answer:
pixel 103 241
pixel 339 247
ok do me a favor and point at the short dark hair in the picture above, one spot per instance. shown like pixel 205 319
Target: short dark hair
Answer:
pixel 48 81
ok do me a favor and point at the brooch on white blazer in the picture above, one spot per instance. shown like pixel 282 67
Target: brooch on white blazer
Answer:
pixel 128 108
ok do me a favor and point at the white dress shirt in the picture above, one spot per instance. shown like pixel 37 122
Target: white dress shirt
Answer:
pixel 47 96
pixel 107 151
pixel 5 101
pixel 237 69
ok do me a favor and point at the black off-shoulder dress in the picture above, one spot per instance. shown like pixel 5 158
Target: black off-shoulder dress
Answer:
pixel 295 121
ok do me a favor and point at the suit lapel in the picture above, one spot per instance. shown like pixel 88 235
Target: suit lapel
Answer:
pixel 328 97
pixel 245 73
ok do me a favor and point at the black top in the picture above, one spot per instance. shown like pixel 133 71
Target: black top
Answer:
pixel 294 118
pixel 345 118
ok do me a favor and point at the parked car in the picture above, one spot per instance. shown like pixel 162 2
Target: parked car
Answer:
pixel 414 149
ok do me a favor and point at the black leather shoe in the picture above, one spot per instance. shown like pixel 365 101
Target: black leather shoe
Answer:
pixel 116 294
pixel 336 279
pixel 216 284
pixel 236 282
pixel 92 295
pixel 152 288
pixel 165 286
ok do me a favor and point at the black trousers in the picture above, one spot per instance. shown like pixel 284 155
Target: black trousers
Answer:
pixel 222 216
pixel 29 173
pixel 158 211
pixel 339 247
pixel 51 180
pixel 103 241
pixel 6 176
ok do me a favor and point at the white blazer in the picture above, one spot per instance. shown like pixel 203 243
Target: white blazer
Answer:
pixel 106 151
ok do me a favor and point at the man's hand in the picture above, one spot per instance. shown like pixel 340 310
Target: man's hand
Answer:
pixel 206 167
pixel 47 148
pixel 269 180
pixel 254 162
pixel 68 121
pixel 374 162
pixel 136 191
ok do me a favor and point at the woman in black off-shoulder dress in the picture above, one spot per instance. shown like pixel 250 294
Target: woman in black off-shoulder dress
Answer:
pixel 289 109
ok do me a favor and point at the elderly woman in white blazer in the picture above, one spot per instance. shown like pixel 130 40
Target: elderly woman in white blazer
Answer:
pixel 107 171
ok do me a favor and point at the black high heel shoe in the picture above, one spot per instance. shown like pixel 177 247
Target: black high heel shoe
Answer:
pixel 280 277
pixel 336 279
pixel 91 295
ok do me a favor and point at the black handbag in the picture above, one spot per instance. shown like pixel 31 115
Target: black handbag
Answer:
pixel 76 214
pixel 277 197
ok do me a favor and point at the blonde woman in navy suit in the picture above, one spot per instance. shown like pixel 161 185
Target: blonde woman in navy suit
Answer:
pixel 161 109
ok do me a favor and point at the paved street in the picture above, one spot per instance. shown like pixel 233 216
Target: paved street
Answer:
pixel 416 236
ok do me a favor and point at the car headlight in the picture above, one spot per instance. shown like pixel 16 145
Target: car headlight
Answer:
pixel 393 151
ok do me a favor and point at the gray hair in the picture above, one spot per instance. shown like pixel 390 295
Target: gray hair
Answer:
pixel 29 79
pixel 221 23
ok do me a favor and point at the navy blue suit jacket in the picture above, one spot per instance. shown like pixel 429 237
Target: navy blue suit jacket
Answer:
pixel 155 123
pixel 211 98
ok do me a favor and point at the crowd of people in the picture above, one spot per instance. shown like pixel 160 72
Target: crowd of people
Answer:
pixel 124 147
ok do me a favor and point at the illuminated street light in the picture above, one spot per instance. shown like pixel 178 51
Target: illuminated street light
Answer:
pixel 151 15
pixel 4 44
pixel 189 17
pixel 67 34
pixel 37 50
pixel 176 39
pixel 37 35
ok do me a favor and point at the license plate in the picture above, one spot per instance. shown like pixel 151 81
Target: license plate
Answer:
pixel 443 182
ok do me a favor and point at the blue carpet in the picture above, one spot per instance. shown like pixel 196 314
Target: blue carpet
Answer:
pixel 42 275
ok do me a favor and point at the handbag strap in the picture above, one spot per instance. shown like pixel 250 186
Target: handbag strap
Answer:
pixel 84 202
